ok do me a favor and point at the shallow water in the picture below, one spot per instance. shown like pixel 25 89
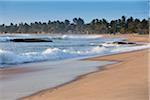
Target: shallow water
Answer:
pixel 46 75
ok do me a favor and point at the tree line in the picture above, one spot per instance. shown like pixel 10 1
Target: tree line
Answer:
pixel 78 25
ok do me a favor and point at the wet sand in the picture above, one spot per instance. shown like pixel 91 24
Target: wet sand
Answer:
pixel 22 80
pixel 126 80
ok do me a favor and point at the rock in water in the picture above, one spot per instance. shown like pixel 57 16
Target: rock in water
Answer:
pixel 32 40
pixel 122 42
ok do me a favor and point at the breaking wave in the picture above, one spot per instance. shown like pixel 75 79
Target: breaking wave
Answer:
pixel 81 36
pixel 8 57
pixel 7 38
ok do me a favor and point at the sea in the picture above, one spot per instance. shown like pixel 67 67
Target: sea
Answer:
pixel 62 47
pixel 51 64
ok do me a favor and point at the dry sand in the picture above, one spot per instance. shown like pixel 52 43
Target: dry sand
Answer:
pixel 126 80
pixel 131 37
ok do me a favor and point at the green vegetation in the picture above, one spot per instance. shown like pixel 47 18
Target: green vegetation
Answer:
pixel 96 26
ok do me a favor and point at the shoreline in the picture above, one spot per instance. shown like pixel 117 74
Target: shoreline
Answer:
pixel 49 75
pixel 131 37
pixel 26 68
pixel 56 87
pixel 99 70
pixel 79 78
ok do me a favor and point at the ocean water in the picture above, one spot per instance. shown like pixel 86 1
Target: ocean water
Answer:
pixel 62 47
pixel 54 65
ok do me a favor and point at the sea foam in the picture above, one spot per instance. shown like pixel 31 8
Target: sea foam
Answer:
pixel 63 47
pixel 131 48
pixel 9 57
pixel 81 36
pixel 8 37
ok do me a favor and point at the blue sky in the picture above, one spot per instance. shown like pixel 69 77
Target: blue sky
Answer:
pixel 30 11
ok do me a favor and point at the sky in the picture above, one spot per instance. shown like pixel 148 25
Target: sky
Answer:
pixel 17 11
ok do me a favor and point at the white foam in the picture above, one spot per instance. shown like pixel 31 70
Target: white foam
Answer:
pixel 9 57
pixel 4 39
pixel 8 37
pixel 125 49
pixel 81 36
pixel 98 49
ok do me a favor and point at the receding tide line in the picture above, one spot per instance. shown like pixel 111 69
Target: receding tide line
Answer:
pixel 100 68
pixel 53 74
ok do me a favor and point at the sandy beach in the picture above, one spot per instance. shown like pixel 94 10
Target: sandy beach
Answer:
pixel 80 50
pixel 125 80
pixel 130 37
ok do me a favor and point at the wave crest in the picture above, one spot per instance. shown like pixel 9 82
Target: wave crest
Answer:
pixel 8 57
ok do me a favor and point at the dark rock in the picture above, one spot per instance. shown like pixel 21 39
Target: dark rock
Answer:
pixel 131 43
pixel 122 42
pixel 32 40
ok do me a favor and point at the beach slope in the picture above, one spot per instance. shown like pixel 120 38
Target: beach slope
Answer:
pixel 126 80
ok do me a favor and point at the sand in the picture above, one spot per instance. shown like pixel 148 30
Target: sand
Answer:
pixel 125 80
pixel 131 37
